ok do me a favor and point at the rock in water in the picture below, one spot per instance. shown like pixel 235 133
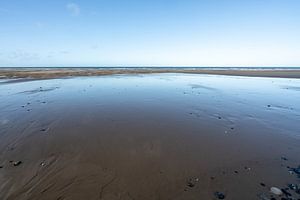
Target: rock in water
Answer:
pixel 276 191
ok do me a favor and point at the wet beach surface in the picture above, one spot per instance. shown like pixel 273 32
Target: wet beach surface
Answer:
pixel 154 136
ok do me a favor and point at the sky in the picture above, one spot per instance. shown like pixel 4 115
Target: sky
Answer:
pixel 230 33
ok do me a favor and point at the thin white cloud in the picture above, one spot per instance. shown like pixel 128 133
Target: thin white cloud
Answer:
pixel 22 55
pixel 73 8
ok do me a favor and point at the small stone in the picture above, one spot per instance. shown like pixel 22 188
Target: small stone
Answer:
pixel 262 184
pixel 269 106
pixel 219 117
pixel 263 196
pixel 284 158
pixel 285 192
pixel 276 191
pixel 236 172
pixel 1 167
pixel 17 163
pixel 43 130
pixel 293 186
pixel 219 195
pixel 190 184
pixel 247 168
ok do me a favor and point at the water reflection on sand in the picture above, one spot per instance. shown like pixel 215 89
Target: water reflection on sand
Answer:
pixel 155 136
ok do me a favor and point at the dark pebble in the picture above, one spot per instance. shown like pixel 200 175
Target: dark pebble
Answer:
pixel 269 106
pixel 190 184
pixel 236 172
pixel 1 167
pixel 293 186
pixel 295 170
pixel 219 117
pixel 17 163
pixel 219 195
pixel 262 184
pixel 284 158
pixel 43 130
pixel 285 192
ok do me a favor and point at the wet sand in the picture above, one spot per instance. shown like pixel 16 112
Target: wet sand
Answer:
pixel 152 136
pixel 45 73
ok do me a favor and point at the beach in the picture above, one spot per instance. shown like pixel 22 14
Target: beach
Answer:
pixel 149 134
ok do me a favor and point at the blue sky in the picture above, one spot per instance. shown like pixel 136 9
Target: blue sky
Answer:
pixel 150 33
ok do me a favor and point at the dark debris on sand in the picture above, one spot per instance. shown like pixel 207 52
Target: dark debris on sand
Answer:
pixel 17 163
pixel 291 192
pixel 192 182
pixel 262 184
pixel 219 195
pixel 284 158
pixel 295 171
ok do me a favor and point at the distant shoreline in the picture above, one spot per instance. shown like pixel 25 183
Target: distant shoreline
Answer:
pixel 60 72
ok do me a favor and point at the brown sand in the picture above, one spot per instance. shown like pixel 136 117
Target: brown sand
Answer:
pixel 113 146
pixel 65 72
